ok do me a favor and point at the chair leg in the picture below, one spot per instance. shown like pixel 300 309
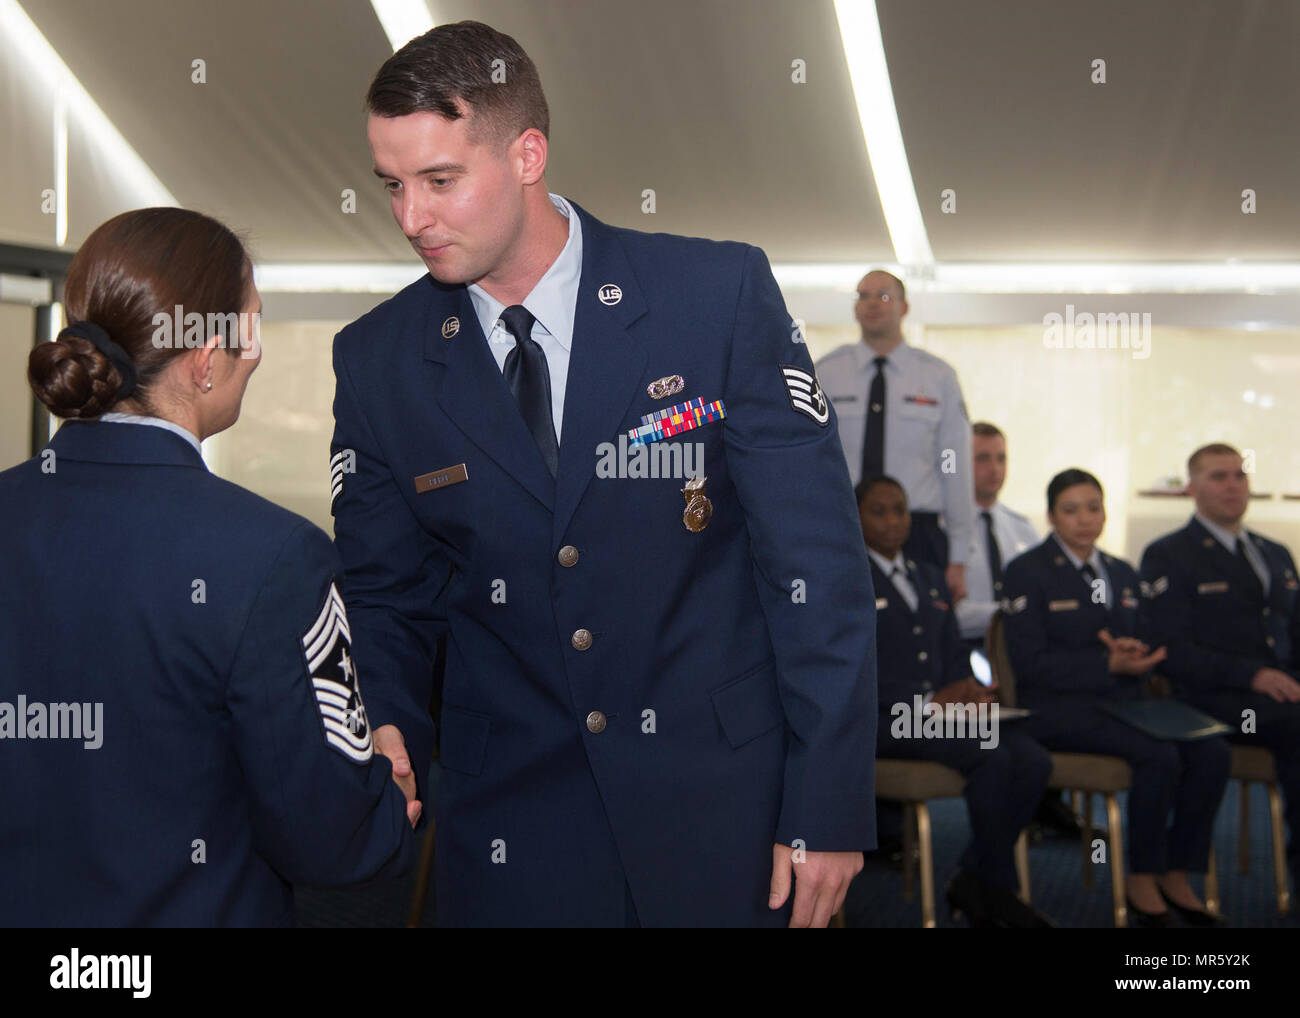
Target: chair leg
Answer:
pixel 1115 833
pixel 1243 839
pixel 909 840
pixel 927 866
pixel 1086 823
pixel 416 911
pixel 1212 883
pixel 1022 866
pixel 1279 848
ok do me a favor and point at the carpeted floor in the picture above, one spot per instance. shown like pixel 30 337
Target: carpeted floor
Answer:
pixel 876 898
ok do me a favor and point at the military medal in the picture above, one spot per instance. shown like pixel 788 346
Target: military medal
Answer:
pixel 699 510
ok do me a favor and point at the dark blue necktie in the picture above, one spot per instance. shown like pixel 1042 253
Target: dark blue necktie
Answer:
pixel 873 438
pixel 530 380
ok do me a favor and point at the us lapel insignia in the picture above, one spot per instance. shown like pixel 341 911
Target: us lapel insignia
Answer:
pixel 662 388
pixel 450 327
pixel 699 510
pixel 610 294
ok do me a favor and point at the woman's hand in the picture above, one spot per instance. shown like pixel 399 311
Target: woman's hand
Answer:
pixel 1130 656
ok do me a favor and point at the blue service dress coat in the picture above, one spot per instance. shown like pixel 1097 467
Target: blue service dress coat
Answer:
pixel 633 712
pixel 1063 674
pixel 181 728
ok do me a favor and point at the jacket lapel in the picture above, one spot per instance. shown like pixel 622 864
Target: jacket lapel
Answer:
pixel 606 363
pixel 473 393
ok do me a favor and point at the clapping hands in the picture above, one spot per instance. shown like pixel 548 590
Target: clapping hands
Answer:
pixel 1128 655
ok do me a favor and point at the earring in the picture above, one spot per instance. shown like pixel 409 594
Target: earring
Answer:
pixel 207 387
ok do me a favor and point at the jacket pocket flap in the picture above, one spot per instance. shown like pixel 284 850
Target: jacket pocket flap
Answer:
pixel 749 705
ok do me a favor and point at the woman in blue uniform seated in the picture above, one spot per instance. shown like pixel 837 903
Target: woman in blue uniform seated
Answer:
pixel 923 665
pixel 182 734
pixel 1072 630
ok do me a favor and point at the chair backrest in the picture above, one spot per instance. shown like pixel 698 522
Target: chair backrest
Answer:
pixel 995 643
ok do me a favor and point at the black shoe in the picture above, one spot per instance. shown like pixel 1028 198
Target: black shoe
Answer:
pixel 1148 920
pixel 986 905
pixel 1194 916
pixel 967 899
pixel 1057 820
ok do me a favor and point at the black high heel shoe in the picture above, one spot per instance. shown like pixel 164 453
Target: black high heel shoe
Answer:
pixel 1148 920
pixel 1194 916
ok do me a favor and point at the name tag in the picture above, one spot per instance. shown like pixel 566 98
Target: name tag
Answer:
pixel 441 478
pixel 1218 587
pixel 1062 606
pixel 882 602
pixel 844 399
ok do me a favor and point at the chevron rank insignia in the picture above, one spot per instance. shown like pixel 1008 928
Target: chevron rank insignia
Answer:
pixel 342 462
pixel 674 420
pixel 805 392
pixel 327 646
pixel 1155 588
pixel 1015 606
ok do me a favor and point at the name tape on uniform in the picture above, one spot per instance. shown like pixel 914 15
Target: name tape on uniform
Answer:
pixel 441 478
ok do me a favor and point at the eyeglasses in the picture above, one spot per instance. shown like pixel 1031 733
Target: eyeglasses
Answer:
pixel 884 296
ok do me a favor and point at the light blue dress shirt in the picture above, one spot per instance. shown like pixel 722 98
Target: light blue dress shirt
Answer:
pixel 1229 540
pixel 155 422
pixel 1094 560
pixel 1015 534
pixel 925 417
pixel 553 303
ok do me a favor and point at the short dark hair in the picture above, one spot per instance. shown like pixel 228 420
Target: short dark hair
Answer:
pixel 867 483
pixel 1068 479
pixel 1213 449
pixel 902 290
pixel 986 430
pixel 467 63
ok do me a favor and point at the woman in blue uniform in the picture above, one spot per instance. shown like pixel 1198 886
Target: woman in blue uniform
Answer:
pixel 1072 628
pixel 182 733
pixel 923 665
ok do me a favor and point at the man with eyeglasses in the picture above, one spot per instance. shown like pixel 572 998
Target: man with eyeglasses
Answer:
pixel 900 412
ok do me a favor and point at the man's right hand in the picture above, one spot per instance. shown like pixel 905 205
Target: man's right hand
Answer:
pixel 1277 684
pixel 389 743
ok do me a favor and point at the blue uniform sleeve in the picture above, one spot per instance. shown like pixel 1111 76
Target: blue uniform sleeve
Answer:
pixel 1169 612
pixel 393 575
pixel 1038 662
pixel 810 568
pixel 324 809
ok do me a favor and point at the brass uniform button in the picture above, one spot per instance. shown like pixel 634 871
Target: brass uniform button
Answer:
pixel 581 639
pixel 595 722
pixel 568 556
pixel 917 630
pixel 923 656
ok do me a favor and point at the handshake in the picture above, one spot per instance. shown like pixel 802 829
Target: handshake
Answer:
pixel 390 743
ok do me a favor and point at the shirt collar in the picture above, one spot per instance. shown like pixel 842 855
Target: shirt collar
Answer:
pixel 1094 559
pixel 863 355
pixel 1225 537
pixel 553 299
pixel 156 422
pixel 887 566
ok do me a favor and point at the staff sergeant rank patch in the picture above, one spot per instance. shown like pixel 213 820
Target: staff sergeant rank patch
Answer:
pixel 327 645
pixel 805 392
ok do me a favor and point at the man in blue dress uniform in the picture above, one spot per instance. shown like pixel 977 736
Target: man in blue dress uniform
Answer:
pixel 1223 601
pixel 599 464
